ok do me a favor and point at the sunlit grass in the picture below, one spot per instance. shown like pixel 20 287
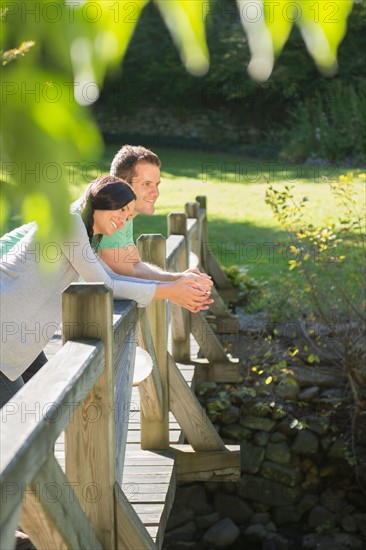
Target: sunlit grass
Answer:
pixel 242 227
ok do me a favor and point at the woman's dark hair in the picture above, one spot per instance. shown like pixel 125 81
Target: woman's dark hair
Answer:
pixel 104 193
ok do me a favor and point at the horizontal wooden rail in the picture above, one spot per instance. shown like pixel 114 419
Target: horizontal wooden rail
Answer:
pixel 85 391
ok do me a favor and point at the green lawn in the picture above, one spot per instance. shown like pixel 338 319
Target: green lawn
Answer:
pixel 242 228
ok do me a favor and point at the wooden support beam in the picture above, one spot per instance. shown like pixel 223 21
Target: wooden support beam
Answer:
pixel 217 372
pixel 52 515
pixel 207 465
pixel 90 459
pixel 151 395
pixel 214 269
pixel 180 322
pixel 192 418
pixel 206 339
pixel 155 435
pixel 131 534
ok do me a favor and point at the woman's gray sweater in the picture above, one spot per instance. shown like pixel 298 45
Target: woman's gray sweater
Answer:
pixel 33 276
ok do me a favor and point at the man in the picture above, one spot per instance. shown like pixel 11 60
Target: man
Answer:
pixel 140 167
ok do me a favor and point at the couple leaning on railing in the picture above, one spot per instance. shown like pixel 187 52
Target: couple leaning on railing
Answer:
pixel 99 248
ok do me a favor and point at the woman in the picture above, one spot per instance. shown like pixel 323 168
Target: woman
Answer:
pixel 31 295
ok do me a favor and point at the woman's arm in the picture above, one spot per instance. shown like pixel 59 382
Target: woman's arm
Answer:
pixel 81 256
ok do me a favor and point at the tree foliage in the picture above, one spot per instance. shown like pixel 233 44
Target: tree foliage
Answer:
pixel 47 126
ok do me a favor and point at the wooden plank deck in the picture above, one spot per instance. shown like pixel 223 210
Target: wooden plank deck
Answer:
pixel 149 476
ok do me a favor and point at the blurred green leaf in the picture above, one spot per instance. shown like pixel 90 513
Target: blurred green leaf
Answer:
pixel 185 21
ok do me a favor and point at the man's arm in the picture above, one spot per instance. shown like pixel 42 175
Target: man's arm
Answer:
pixel 126 261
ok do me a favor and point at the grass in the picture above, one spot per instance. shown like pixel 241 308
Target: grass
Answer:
pixel 242 228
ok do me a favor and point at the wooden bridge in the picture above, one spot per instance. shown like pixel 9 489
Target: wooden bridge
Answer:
pixel 92 447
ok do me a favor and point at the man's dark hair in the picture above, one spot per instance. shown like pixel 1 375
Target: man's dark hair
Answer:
pixel 124 163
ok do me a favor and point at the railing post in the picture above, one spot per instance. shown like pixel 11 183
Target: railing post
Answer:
pixel 155 434
pixel 180 319
pixel 87 312
pixel 202 201
pixel 193 211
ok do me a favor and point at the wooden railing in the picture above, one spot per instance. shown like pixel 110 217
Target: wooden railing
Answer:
pixel 85 391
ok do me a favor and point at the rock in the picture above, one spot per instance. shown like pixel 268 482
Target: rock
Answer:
pixel 203 522
pixel 260 517
pixel 358 499
pixel 287 427
pixel 278 452
pixel 277 437
pixel 332 393
pixel 347 541
pixel 231 415
pixel 179 518
pixel 287 390
pixel 307 503
pixel 267 492
pixel 255 533
pixel 321 517
pixel 328 470
pixel 258 423
pixel 194 497
pixel 311 541
pixel 222 534
pixel 338 449
pixel 251 457
pixel 318 425
pixel 326 442
pixel 185 532
pixel 349 524
pixel 232 507
pixel 286 514
pixel 309 394
pixel 322 377
pixel 360 520
pixel 306 443
pixel 236 432
pixel 270 527
pixel 288 475
pixel 275 541
pixel 261 438
pixel 333 499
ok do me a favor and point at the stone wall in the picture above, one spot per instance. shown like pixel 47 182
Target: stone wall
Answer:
pixel 303 462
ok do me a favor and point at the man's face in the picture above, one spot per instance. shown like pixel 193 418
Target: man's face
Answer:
pixel 145 185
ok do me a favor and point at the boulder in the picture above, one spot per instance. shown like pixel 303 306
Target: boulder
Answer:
pixel 309 394
pixel 278 452
pixel 185 532
pixel 179 517
pixel 288 390
pixel 321 517
pixel 305 443
pixel 204 522
pixel 267 492
pixel 255 533
pixel 257 423
pixel 288 475
pixel 349 524
pixel 251 457
pixel 233 507
pixel 222 534
pixel 235 431
pixel 261 438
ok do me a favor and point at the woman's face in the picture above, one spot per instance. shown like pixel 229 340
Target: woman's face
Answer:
pixel 106 222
